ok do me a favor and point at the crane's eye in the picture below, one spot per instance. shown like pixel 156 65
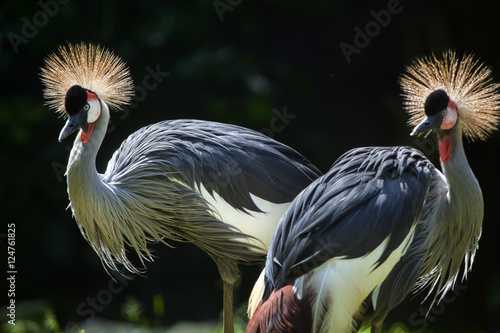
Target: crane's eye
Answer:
pixel 86 107
pixel 444 112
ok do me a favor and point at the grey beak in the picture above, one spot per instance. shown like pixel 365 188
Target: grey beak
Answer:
pixel 428 123
pixel 73 124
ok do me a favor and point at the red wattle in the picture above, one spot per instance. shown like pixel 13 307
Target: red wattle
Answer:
pixel 85 136
pixel 445 149
pixel 90 96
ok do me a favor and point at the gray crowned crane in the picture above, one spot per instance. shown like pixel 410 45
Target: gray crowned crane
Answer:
pixel 383 221
pixel 221 187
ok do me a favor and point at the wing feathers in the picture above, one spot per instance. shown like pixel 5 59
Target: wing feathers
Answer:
pixel 368 195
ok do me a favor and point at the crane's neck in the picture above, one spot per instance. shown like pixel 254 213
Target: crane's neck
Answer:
pixel 459 223
pixel 81 170
pixel 463 187
pixel 92 199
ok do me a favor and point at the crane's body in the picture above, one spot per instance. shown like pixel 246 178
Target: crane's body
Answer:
pixel 185 180
pixel 383 222
pixel 372 219
pixel 221 187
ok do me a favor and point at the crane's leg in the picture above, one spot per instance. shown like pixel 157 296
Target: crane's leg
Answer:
pixel 228 270
pixel 376 328
pixel 227 315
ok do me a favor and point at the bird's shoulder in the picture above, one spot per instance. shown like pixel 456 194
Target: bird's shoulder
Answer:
pixel 393 161
pixel 228 159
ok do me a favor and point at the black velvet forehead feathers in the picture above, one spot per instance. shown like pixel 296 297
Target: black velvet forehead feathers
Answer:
pixel 436 102
pixel 76 98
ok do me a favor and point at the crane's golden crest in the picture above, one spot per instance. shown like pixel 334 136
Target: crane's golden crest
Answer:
pixel 467 82
pixel 91 67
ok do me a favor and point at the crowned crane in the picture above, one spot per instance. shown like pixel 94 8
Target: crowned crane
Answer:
pixel 221 187
pixel 383 222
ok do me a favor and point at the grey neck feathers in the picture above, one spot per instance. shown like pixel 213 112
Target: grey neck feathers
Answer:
pixel 82 157
pixel 465 201
pixel 456 226
pixel 91 198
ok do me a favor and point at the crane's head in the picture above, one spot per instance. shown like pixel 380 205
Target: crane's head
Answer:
pixel 441 113
pixel 81 81
pixel 84 109
pixel 450 93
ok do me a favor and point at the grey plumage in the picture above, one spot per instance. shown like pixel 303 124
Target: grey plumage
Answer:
pixel 151 184
pixel 447 236
pixel 384 222
pixel 374 194
pixel 370 200
pixel 368 195
pixel 221 187
pixel 218 155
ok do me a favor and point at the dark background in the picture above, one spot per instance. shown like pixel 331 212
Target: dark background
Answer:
pixel 237 67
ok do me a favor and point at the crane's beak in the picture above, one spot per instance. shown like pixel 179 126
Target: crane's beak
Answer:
pixel 430 122
pixel 73 124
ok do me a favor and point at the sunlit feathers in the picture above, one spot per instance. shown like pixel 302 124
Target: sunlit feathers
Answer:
pixel 90 66
pixel 468 83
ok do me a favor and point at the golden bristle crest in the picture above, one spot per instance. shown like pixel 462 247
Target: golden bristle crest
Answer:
pixel 91 67
pixel 466 81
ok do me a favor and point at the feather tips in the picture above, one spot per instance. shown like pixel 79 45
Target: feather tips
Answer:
pixel 90 66
pixel 466 81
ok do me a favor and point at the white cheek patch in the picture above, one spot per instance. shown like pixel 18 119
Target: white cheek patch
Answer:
pixel 94 111
pixel 449 120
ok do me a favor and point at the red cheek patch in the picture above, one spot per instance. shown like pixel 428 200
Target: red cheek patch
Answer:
pixel 85 136
pixel 445 149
